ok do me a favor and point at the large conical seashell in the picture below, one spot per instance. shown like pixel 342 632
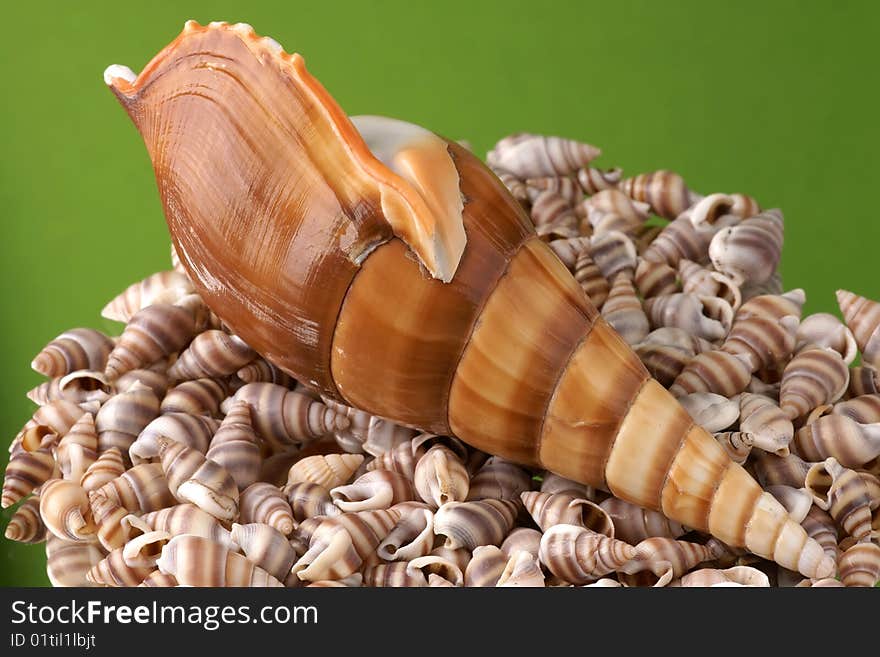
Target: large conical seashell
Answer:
pixel 65 510
pixel 862 317
pixel 860 565
pixel 633 523
pixel 266 547
pixel 76 349
pixel 750 251
pixel 412 537
pixel 665 191
pixel 141 489
pixel 193 478
pixel 163 286
pixel 579 555
pixel 769 427
pixel 815 376
pixel 26 525
pixel 469 524
pixel 68 562
pixel 326 470
pixel 152 333
pixel 440 477
pixel 212 353
pixel 192 430
pixel 498 479
pixel 543 156
pixel 378 489
pixel 549 509
pixel 623 310
pixel 522 570
pixel 282 417
pixel 124 416
pixel 235 447
pixel 188 519
pixel 104 469
pixel 844 494
pixel 198 561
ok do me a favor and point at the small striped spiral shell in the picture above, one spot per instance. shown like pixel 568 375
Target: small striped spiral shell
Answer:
pixel 734 576
pixel 307 500
pixel 844 494
pixel 764 328
pixel 26 525
pixel 188 519
pixel 655 279
pixel 862 317
pixel 193 478
pixel 498 479
pixel 198 561
pixel 411 537
pixel 521 538
pixel 192 430
pixel 59 416
pixel 469 524
pixel 665 191
pixel 712 412
pixel 326 470
pixel 161 287
pixel 815 376
pixel 437 570
pixel 65 510
pixel 590 278
pixel 554 483
pixel 537 155
pixel 750 251
pixel 633 523
pixel 141 489
pixel 679 240
pixel 283 418
pixel 266 547
pixel 26 470
pixel 67 562
pixel 485 567
pixel 440 477
pixel 775 470
pixel 698 280
pixel 78 449
pixel 396 574
pixel 143 550
pixel 860 565
pixel 365 432
pixel 737 444
pixel 152 333
pixel 549 509
pixel 197 397
pixel 159 579
pixel 864 409
pixel 594 180
pixel 522 570
pixel 863 380
pixel 712 211
pixel 623 310
pixel 77 387
pixel 644 236
pixel 568 250
pixel 797 501
pixel 515 186
pixel 551 211
pixel 668 558
pixel 108 516
pixel 564 186
pixel 691 313
pixel 826 330
pixel 769 426
pixel 717 371
pixel 378 489
pixel 235 448
pixel 76 349
pixel 820 526
pixel 403 457
pixel 212 353
pixel 104 469
pixel 663 362
pixel 611 209
pixel 124 416
pixel 155 379
pixel 614 253
pixel 579 555
pixel 262 371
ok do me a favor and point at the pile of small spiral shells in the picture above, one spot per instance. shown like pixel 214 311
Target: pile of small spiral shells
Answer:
pixel 174 455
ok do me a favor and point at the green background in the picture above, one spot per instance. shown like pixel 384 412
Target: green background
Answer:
pixel 775 99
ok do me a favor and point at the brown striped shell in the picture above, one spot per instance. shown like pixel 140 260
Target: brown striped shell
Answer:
pixel 235 446
pixel 68 562
pixel 197 397
pixel 26 525
pixel 188 519
pixel 197 561
pixel 579 555
pixel 307 277
pixel 194 431
pixel 76 349
pixel 844 494
pixel 163 286
pixel 633 523
pixel 211 353
pixel 193 478
pixel 862 317
pixel 549 509
pixel 65 510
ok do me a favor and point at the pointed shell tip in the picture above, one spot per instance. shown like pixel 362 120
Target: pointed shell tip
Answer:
pixel 118 71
